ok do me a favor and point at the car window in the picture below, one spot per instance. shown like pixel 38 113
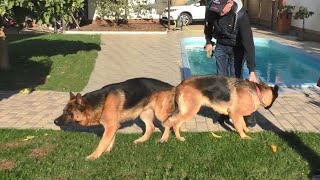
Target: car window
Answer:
pixel 191 2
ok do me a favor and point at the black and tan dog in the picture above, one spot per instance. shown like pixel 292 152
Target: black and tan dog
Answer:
pixel 117 103
pixel 226 95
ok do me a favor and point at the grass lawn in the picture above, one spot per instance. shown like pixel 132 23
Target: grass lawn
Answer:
pixel 61 155
pixel 50 62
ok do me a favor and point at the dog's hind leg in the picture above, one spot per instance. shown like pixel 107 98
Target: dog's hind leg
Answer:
pixel 147 117
pixel 189 111
pixel 238 124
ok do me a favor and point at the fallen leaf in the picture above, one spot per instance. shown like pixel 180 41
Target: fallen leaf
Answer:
pixel 29 138
pixel 25 91
pixel 215 135
pixel 274 148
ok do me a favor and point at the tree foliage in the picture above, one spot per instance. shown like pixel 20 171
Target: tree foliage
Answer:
pixel 43 11
pixel 117 9
pixel 303 13
pixel 120 10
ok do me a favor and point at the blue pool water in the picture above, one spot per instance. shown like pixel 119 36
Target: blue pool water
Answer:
pixel 276 63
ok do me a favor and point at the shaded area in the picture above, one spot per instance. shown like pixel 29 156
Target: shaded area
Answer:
pixel 293 141
pixel 30 59
pixel 98 129
pixel 291 138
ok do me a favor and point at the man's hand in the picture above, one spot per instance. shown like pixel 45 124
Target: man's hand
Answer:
pixel 253 77
pixel 209 48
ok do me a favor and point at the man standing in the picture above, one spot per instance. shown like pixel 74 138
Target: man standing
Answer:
pixel 228 22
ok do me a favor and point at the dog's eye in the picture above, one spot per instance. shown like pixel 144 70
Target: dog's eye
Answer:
pixel 69 113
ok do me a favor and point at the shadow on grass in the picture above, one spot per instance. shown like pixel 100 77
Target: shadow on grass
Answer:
pixel 98 129
pixel 30 60
pixel 293 141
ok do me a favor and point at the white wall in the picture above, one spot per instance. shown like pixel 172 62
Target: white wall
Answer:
pixel 313 22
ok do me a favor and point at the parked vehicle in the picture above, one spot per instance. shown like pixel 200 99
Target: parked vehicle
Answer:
pixel 190 12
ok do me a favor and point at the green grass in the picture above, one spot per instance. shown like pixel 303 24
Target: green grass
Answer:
pixel 50 62
pixel 200 157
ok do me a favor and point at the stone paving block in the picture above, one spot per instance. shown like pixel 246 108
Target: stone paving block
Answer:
pixel 191 125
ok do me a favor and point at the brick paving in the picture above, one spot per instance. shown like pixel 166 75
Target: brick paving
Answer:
pixel 159 56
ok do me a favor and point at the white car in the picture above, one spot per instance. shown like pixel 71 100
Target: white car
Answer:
pixel 188 13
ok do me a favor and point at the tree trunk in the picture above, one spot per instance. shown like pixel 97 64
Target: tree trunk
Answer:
pixel 64 27
pixel 4 59
pixel 303 29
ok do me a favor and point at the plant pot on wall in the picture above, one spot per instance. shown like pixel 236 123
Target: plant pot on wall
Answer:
pixel 284 22
pixel 284 18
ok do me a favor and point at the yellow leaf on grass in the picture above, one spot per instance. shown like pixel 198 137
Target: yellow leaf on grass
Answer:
pixel 29 138
pixel 25 91
pixel 274 148
pixel 215 135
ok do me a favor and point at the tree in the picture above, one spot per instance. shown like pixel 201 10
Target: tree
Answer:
pixel 303 13
pixel 117 9
pixel 42 11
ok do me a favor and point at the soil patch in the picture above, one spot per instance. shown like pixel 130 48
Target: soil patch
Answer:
pixel 40 153
pixel 132 25
pixel 6 165
pixel 14 144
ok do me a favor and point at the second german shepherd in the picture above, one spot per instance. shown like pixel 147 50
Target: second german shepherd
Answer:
pixel 226 95
pixel 117 103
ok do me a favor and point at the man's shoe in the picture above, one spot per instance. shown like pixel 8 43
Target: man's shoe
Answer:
pixel 221 119
pixel 250 121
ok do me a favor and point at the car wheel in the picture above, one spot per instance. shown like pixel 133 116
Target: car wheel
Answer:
pixel 185 18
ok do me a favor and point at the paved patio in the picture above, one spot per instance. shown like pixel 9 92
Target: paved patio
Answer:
pixel 159 56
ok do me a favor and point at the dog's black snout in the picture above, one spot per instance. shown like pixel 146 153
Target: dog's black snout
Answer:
pixel 57 122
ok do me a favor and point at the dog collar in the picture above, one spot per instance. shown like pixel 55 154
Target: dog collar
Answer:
pixel 259 95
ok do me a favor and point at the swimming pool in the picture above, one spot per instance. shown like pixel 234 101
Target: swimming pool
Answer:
pixel 276 63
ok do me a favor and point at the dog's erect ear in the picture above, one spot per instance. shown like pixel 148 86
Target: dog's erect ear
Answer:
pixel 79 99
pixel 275 89
pixel 72 96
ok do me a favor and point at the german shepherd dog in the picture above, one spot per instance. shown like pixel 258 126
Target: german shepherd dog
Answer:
pixel 117 103
pixel 225 95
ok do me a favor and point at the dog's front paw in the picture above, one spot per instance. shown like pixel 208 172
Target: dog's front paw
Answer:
pixel 163 140
pixel 92 156
pixel 181 139
pixel 246 129
pixel 140 140
pixel 245 137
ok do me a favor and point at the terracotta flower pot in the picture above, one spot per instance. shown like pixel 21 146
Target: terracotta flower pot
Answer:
pixel 284 22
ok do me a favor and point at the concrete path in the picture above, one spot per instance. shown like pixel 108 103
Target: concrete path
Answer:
pixel 159 56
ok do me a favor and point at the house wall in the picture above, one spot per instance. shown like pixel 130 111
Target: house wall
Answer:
pixel 313 22
pixel 260 11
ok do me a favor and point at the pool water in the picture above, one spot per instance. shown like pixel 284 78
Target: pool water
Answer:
pixel 275 63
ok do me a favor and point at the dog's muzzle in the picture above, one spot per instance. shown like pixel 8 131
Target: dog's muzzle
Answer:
pixel 57 122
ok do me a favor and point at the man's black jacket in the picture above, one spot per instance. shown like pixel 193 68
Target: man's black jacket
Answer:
pixel 232 29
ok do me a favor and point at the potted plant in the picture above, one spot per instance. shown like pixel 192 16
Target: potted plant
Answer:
pixel 303 13
pixel 284 18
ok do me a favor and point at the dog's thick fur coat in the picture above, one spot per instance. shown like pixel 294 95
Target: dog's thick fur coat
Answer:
pixel 117 103
pixel 225 95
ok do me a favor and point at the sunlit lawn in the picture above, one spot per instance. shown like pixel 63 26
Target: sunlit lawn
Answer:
pixel 48 154
pixel 50 62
